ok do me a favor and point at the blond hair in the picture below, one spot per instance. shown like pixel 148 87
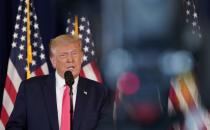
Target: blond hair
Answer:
pixel 63 39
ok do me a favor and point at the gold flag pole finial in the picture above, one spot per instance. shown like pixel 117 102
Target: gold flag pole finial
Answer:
pixel 29 48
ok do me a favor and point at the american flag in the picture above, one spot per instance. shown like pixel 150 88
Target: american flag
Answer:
pixel 17 64
pixel 89 67
pixel 184 94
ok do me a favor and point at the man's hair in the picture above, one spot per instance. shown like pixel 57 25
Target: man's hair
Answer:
pixel 63 39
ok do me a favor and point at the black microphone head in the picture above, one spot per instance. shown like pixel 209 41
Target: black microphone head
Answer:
pixel 69 78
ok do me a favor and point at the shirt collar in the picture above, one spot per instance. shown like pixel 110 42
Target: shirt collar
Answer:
pixel 60 82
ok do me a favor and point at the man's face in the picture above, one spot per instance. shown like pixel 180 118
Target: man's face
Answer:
pixel 67 57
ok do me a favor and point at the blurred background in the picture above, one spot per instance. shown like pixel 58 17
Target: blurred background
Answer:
pixel 152 53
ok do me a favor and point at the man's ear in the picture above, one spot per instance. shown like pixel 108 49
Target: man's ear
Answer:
pixel 53 62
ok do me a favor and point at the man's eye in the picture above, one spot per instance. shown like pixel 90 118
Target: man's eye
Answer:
pixel 75 53
pixel 62 55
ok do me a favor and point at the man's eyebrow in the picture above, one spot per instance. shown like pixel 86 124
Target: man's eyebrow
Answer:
pixel 63 53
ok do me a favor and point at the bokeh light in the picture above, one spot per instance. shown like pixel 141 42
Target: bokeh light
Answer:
pixel 176 62
pixel 128 83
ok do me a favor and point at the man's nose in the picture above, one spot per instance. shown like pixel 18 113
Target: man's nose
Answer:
pixel 70 58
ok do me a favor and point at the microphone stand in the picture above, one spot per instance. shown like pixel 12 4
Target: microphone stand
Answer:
pixel 71 107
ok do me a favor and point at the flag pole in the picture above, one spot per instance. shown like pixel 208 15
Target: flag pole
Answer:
pixel 76 26
pixel 29 48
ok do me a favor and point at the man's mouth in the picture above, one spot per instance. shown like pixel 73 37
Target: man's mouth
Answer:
pixel 70 68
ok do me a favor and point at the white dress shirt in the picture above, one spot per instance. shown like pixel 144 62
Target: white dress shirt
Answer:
pixel 60 87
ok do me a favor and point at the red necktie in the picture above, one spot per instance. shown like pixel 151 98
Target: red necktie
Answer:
pixel 65 115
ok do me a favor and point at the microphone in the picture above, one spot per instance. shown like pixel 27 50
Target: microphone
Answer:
pixel 69 79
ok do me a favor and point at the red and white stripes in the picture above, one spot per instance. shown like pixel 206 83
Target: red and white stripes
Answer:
pixel 184 97
pixel 91 71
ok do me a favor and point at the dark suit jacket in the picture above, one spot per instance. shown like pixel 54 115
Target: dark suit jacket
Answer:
pixel 35 107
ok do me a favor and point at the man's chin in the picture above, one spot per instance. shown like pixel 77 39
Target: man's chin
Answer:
pixel 75 75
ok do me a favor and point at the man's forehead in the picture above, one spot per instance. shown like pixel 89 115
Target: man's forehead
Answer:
pixel 66 49
pixel 66 44
pixel 69 47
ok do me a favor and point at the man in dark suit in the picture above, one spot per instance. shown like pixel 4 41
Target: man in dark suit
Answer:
pixel 39 101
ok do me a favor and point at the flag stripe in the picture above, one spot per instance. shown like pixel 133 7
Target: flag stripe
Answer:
pixel 13 74
pixel 171 108
pixel 4 116
pixel 9 87
pixel 82 73
pixel 196 121
pixel 176 87
pixel 206 118
pixel 88 71
pixel 96 71
pixel 1 125
pixel 39 72
pixel 186 94
pixel 45 68
pixel 7 103
pixel 174 99
pixel 192 88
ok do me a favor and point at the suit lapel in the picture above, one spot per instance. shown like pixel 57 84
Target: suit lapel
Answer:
pixel 50 101
pixel 81 101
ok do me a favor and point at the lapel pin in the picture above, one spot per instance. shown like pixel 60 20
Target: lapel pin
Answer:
pixel 85 92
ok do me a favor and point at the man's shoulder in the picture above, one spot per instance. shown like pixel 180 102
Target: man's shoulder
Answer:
pixel 89 81
pixel 35 84
pixel 37 80
pixel 93 85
